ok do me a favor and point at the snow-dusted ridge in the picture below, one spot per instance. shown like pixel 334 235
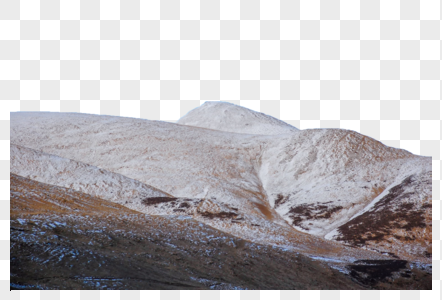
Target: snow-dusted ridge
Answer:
pixel 397 221
pixel 314 180
pixel 318 179
pixel 180 160
pixel 82 177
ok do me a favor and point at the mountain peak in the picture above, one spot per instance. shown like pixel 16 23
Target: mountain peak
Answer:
pixel 225 116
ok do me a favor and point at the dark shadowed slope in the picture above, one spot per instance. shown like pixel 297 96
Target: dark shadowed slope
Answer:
pixel 63 239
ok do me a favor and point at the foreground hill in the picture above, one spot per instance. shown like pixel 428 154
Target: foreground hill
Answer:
pixel 63 239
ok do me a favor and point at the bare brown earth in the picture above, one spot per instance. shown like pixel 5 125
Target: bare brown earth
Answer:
pixel 63 239
pixel 316 211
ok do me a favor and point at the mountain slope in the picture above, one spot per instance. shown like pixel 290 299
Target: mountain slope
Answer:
pixel 63 239
pixel 318 180
pixel 79 176
pixel 229 117
pixel 180 160
pixel 312 180
pixel 398 221
pixel 139 197
pixel 340 169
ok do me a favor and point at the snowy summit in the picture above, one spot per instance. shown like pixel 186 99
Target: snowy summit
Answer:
pixel 229 117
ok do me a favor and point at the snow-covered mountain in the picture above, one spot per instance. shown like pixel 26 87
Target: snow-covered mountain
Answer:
pixel 180 160
pixel 81 177
pixel 267 181
pixel 229 117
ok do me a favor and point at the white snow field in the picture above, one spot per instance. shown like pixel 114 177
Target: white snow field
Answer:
pixel 265 181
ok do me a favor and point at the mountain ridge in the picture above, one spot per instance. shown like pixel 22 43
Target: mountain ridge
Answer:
pixel 314 180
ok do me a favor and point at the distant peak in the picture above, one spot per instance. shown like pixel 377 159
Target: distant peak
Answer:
pixel 220 103
pixel 226 116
